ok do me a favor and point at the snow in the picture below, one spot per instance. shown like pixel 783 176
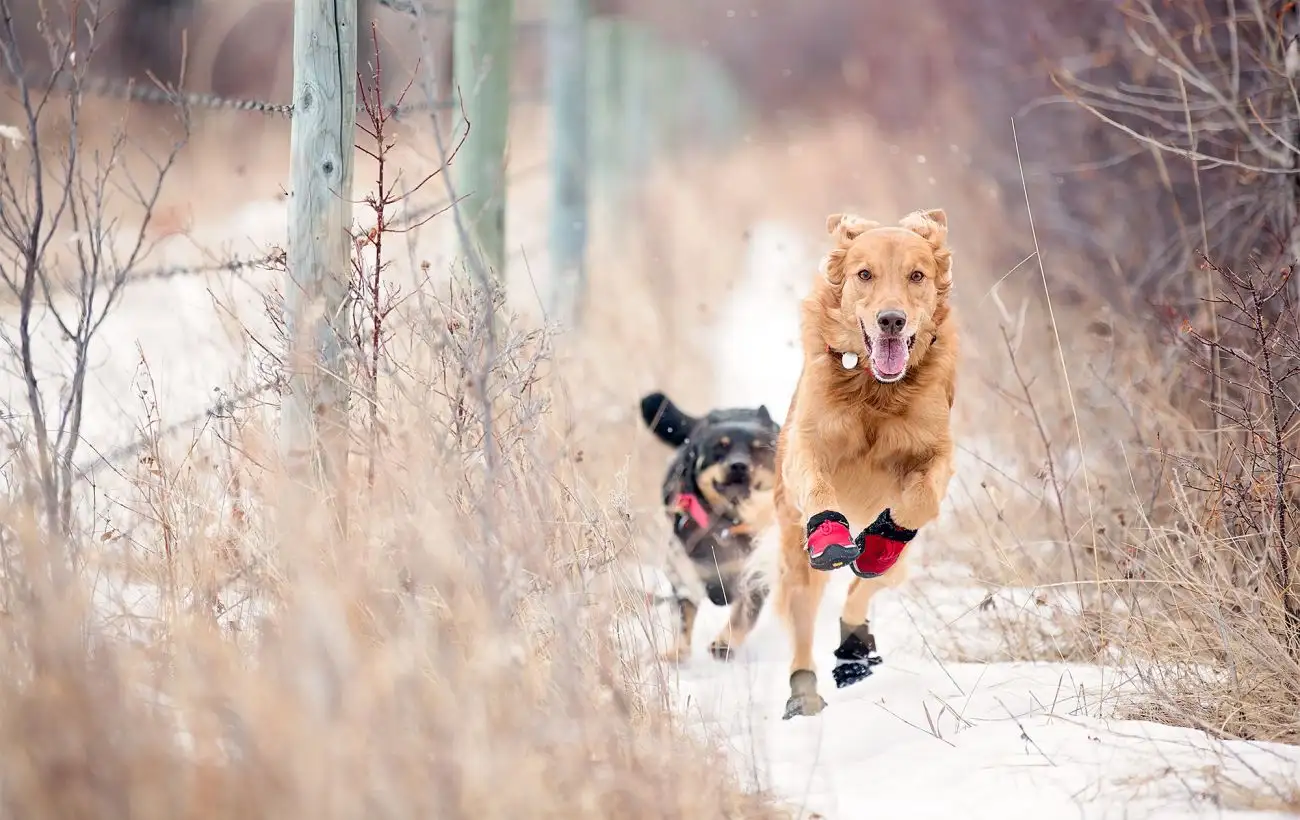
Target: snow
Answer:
pixel 924 737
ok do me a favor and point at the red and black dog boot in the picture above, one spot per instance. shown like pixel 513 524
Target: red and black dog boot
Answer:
pixel 830 542
pixel 880 546
pixel 855 656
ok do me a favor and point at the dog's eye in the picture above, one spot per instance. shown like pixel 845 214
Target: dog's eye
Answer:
pixel 917 276
pixel 864 275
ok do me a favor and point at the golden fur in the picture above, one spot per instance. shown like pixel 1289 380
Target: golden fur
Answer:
pixel 852 443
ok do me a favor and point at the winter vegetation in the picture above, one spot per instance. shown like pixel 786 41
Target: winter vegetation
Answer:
pixel 385 541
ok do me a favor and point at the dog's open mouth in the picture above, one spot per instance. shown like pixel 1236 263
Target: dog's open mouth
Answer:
pixel 733 491
pixel 887 355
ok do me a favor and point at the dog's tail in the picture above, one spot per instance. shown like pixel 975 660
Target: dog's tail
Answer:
pixel 666 420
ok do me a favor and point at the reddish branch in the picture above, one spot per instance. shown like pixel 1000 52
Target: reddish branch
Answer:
pixel 377 299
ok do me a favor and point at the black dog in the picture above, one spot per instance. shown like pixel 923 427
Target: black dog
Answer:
pixel 718 495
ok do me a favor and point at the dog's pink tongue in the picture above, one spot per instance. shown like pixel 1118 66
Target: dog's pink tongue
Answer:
pixel 889 355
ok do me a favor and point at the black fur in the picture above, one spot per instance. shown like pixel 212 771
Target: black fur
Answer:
pixel 736 444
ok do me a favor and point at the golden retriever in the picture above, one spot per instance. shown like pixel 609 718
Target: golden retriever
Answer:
pixel 867 437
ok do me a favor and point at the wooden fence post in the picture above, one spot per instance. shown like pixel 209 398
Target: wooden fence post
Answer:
pixel 314 417
pixel 567 79
pixel 483 37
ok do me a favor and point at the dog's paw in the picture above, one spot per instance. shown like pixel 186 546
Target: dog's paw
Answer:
pixel 808 704
pixel 721 650
pixel 804 699
pixel 880 546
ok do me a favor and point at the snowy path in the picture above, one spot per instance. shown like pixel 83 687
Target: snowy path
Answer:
pixel 925 738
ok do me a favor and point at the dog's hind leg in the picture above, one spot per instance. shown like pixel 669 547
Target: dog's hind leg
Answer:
pixel 800 589
pixel 856 654
pixel 741 622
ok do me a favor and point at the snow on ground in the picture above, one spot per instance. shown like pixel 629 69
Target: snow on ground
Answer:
pixel 922 737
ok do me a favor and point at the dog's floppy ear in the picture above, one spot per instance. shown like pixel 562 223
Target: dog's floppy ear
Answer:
pixel 932 225
pixel 845 228
pixel 666 420
pixel 848 227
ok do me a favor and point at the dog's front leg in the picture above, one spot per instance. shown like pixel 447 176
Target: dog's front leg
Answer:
pixel 687 595
pixel 681 648
pixel 744 613
pixel 827 538
pixel 882 543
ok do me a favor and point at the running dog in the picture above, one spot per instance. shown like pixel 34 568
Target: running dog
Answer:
pixel 867 438
pixel 718 495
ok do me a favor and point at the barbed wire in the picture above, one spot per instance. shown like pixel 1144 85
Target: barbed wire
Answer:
pixel 267 261
pixel 127 91
pixel 159 94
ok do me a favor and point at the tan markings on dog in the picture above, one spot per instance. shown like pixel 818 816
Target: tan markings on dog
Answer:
pixel 876 437
pixel 758 512
pixel 762 479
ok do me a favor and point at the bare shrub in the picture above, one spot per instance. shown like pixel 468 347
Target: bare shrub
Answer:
pixel 1218 636
pixel 65 254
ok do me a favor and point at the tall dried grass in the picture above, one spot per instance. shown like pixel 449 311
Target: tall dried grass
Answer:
pixel 464 650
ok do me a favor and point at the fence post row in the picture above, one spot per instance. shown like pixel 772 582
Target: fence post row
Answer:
pixel 482 40
pixel 567 80
pixel 314 416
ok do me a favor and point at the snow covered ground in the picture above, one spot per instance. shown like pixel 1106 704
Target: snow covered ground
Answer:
pixel 922 737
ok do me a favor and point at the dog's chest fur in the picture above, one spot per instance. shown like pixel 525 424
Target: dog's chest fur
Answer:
pixel 870 460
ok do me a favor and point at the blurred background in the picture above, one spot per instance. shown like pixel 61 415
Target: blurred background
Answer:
pixel 1126 411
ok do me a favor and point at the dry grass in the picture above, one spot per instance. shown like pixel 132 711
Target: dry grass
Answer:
pixel 470 646
pixel 462 651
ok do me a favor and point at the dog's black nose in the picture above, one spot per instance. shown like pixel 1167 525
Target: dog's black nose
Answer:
pixel 738 473
pixel 891 322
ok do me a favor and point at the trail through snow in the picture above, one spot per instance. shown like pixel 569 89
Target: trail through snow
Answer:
pixel 923 737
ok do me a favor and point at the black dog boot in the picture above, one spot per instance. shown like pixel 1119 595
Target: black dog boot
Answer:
pixel 856 655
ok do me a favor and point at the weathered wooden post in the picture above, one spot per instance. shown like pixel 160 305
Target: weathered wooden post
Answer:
pixel 567 78
pixel 482 40
pixel 314 417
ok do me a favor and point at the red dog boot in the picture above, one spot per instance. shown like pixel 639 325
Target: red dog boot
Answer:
pixel 830 543
pixel 880 546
